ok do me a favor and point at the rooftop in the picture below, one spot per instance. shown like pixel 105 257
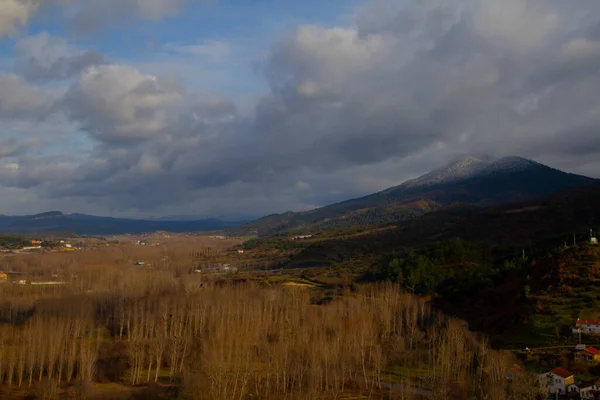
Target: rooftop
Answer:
pixel 591 350
pixel 588 321
pixel 563 373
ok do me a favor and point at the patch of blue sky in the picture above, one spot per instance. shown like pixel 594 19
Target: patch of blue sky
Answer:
pixel 60 139
pixel 214 46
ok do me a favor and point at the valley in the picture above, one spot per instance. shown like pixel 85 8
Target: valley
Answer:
pixel 441 302
pixel 299 200
pixel 181 325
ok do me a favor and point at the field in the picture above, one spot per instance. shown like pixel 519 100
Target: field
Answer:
pixel 178 326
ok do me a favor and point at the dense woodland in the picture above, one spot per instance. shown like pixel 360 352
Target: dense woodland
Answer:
pixel 167 332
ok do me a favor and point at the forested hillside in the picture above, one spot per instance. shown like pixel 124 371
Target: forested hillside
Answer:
pixel 497 268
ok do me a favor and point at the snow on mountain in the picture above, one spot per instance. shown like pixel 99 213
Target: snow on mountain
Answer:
pixel 466 167
pixel 462 168
pixel 509 164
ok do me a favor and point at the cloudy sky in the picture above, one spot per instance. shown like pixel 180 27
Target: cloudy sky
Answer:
pixel 145 108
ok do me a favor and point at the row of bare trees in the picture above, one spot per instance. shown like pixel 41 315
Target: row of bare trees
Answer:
pixel 239 341
pixel 59 349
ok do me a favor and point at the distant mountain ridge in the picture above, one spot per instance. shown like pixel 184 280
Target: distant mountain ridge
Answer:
pixel 56 221
pixel 468 180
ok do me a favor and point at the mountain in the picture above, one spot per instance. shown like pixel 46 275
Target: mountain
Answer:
pixel 511 271
pixel 462 168
pixel 467 180
pixel 56 221
pixel 542 222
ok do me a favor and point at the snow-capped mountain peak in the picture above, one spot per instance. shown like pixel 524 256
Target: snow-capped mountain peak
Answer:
pixel 467 167
pixel 509 164
pixel 461 168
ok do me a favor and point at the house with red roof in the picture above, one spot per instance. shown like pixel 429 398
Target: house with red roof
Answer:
pixel 588 355
pixel 587 326
pixel 556 381
pixel 590 391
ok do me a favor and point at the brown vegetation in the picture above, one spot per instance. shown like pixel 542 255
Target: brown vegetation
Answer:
pixel 210 338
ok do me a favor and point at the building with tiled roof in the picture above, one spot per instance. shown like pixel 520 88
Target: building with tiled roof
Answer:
pixel 587 326
pixel 557 380
pixel 588 355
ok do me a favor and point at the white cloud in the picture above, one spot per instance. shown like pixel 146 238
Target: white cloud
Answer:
pixel 324 56
pixel 119 103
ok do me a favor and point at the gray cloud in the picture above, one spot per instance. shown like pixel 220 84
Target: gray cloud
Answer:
pixel 20 100
pixel 86 16
pixel 351 110
pixel 34 172
pixel 46 58
pixel 13 147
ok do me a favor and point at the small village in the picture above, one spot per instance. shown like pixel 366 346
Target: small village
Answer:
pixel 578 376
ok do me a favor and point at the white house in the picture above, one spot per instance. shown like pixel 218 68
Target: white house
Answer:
pixel 585 391
pixel 587 326
pixel 301 237
pixel 574 388
pixel 589 391
pixel 557 380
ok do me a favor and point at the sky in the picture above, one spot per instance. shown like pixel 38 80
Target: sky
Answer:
pixel 237 108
